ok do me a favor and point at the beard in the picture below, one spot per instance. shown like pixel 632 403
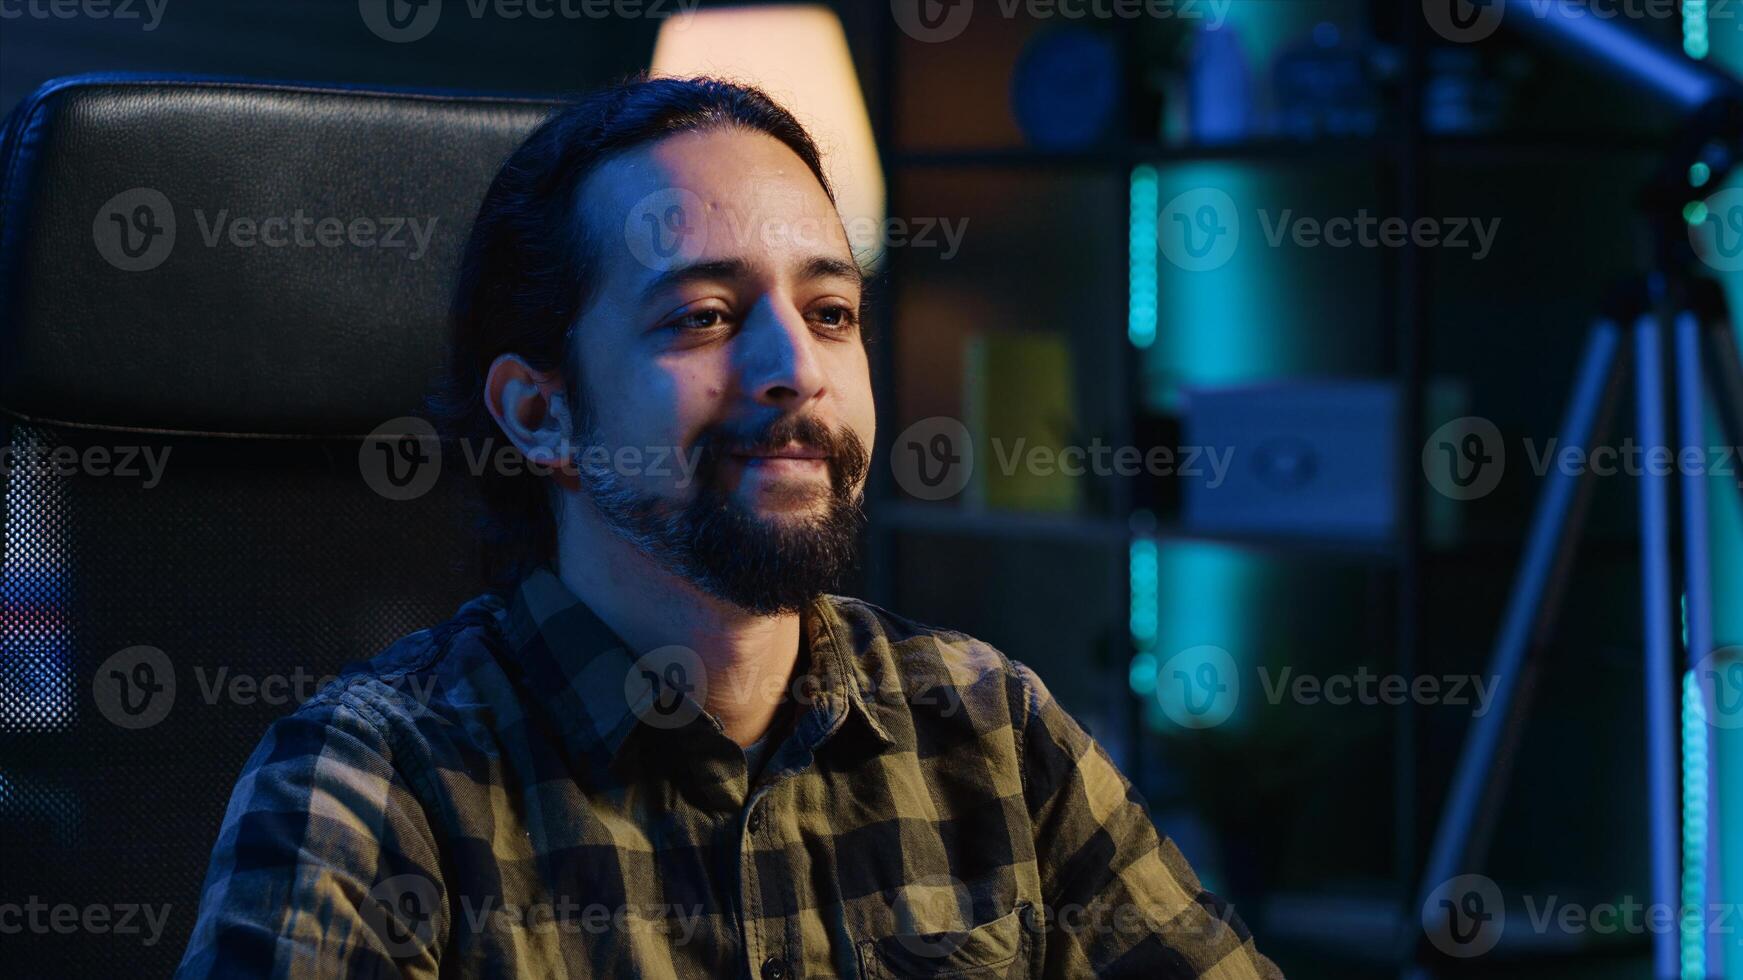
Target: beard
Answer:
pixel 764 565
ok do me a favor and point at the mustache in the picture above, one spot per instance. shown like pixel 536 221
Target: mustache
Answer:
pixel 846 454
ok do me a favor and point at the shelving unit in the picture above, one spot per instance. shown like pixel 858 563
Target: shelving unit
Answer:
pixel 1405 158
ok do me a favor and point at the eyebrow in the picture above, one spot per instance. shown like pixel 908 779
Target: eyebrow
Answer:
pixel 817 267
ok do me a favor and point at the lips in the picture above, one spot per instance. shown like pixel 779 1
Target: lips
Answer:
pixel 789 452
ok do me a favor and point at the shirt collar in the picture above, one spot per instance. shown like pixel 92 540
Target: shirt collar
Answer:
pixel 579 670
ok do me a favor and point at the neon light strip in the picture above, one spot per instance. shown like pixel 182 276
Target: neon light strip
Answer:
pixel 1141 300
pixel 1696 42
pixel 1694 829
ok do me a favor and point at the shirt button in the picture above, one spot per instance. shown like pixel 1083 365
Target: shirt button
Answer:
pixel 775 968
pixel 756 824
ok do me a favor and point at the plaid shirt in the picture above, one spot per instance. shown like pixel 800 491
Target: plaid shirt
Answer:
pixel 511 794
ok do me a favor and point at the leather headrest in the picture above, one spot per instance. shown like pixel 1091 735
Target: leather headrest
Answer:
pixel 234 257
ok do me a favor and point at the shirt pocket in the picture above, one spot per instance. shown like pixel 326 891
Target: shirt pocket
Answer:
pixel 1002 948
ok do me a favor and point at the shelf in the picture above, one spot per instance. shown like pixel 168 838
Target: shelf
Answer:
pixel 950 520
pixel 1382 552
pixel 1127 156
pixel 947 520
pixel 1458 148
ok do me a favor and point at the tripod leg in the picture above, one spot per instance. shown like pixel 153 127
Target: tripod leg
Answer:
pixel 1698 612
pixel 1663 802
pixel 1466 817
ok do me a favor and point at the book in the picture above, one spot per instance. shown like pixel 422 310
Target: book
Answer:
pixel 1018 407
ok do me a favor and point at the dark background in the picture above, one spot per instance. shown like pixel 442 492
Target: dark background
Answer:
pixel 1314 819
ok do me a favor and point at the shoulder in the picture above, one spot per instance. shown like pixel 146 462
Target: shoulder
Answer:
pixel 923 657
pixel 409 685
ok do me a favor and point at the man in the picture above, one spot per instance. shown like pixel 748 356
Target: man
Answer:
pixel 662 749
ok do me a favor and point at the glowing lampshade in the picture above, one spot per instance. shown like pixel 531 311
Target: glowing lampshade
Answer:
pixel 797 54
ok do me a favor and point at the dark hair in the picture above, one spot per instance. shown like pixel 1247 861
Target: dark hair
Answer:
pixel 527 271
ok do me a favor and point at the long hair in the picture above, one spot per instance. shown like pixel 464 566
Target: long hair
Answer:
pixel 528 270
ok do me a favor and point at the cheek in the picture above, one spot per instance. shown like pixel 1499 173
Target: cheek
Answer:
pixel 637 406
pixel 695 396
pixel 854 394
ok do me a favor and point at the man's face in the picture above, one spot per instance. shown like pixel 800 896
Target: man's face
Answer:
pixel 723 332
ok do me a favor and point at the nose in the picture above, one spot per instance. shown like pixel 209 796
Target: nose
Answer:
pixel 777 357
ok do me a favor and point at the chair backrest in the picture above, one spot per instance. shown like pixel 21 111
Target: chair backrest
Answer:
pixel 211 293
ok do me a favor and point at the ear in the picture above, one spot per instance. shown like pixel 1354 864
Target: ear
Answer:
pixel 532 410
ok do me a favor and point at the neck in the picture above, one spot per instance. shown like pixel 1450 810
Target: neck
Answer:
pixel 749 658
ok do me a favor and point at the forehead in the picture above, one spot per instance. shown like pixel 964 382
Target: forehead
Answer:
pixel 724 192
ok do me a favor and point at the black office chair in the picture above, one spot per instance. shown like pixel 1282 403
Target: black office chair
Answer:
pixel 262 551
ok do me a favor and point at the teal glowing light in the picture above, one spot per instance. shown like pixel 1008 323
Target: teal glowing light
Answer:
pixel 1694 212
pixel 1145 577
pixel 1699 174
pixel 1694 829
pixel 1209 595
pixel 1142 674
pixel 1696 42
pixel 1241 320
pixel 1141 304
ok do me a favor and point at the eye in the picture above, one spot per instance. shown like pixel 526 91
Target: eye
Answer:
pixel 697 321
pixel 836 316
